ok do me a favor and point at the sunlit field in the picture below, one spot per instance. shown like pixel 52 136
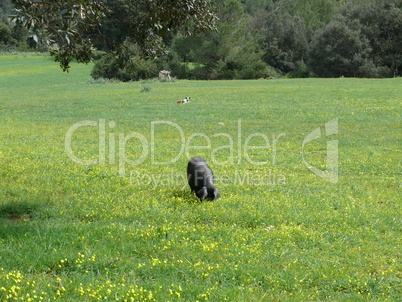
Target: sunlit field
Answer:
pixel 94 204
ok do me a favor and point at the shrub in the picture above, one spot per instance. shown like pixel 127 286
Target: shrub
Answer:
pixel 285 41
pixel 338 50
pixel 6 38
pixel 363 40
pixel 136 69
pixel 174 64
pixel 106 67
pixel 370 70
pixel 201 73
pixel 258 70
pixel 300 72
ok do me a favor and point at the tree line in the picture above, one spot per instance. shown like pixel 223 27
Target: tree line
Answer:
pixel 226 39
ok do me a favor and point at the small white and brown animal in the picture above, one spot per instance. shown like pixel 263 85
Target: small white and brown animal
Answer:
pixel 184 101
pixel 164 74
pixel 201 179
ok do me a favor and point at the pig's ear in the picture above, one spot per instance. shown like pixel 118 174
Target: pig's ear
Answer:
pixel 216 194
pixel 202 193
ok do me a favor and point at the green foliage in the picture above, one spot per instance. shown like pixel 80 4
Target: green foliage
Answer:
pixel 106 67
pixel 70 25
pixel 13 38
pixel 286 39
pixel 19 33
pixel 258 70
pixel 136 69
pixel 229 53
pixel 217 54
pixel 6 9
pixel 112 33
pixel 82 233
pixel 175 65
pixel 254 7
pixel 363 40
pixel 301 71
pixel 338 50
pixel 315 13
pixel 5 34
pixel 224 39
pixel 382 25
pixel 222 70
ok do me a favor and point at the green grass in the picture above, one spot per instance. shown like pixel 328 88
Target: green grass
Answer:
pixel 278 233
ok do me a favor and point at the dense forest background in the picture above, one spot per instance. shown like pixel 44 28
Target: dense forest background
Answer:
pixel 254 39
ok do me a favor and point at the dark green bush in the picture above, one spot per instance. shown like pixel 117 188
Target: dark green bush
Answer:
pixel 5 35
pixel 370 70
pixel 363 40
pixel 135 69
pixel 106 67
pixel 175 65
pixel 257 70
pixel 300 72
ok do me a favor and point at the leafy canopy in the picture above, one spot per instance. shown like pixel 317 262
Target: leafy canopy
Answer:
pixel 68 26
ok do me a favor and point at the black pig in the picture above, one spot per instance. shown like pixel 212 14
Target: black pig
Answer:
pixel 201 179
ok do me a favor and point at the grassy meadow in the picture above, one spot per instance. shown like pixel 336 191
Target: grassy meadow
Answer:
pixel 94 204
